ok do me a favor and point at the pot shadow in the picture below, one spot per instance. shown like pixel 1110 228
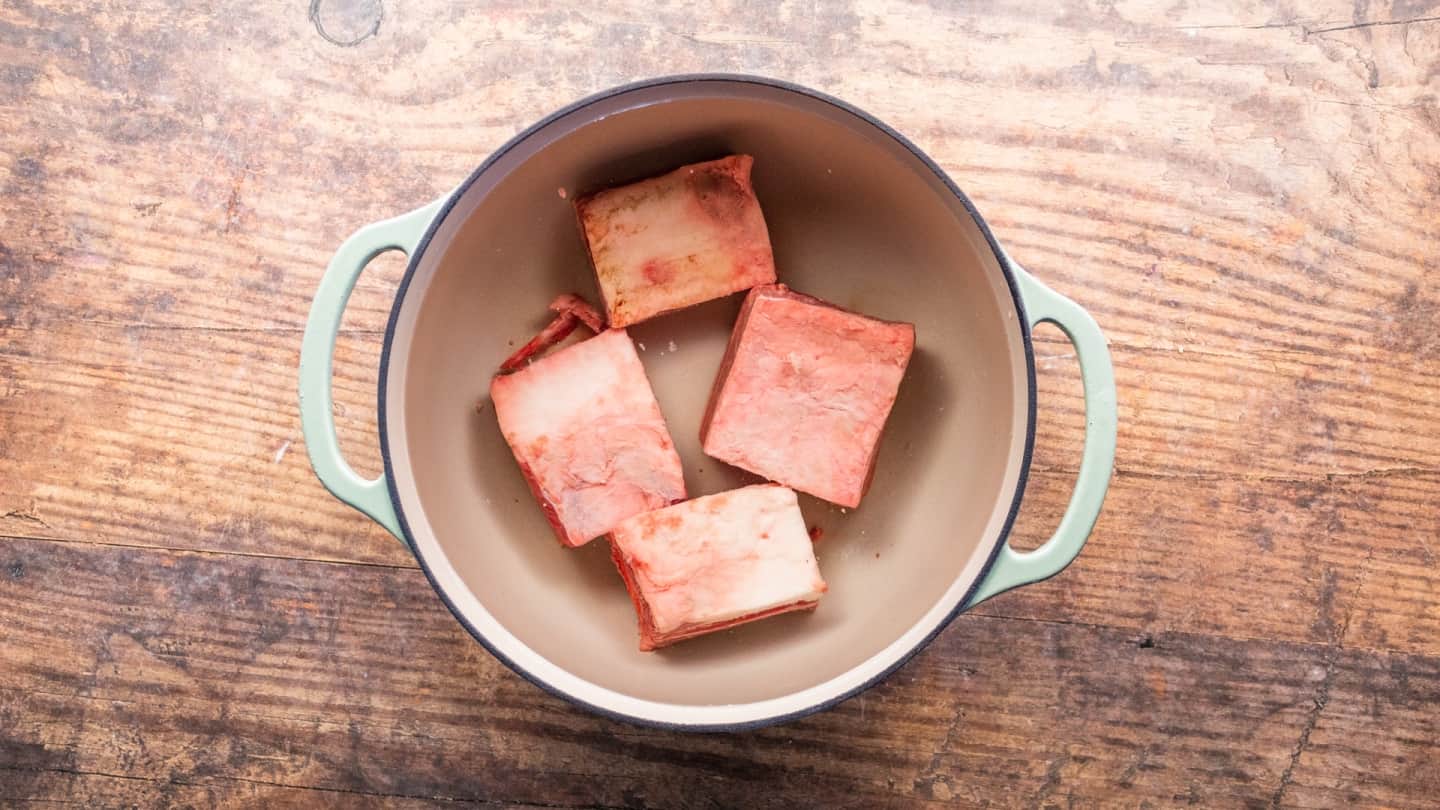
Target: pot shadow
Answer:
pixel 645 163
pixel 498 479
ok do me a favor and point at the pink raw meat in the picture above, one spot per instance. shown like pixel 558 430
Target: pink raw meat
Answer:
pixel 580 308
pixel 715 562
pixel 804 391
pixel 588 435
pixel 676 240
pixel 570 311
pixel 557 330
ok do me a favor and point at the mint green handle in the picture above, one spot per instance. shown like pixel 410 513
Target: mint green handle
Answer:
pixel 317 361
pixel 1015 568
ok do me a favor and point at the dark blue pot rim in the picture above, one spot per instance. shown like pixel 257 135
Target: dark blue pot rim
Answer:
pixel 1005 267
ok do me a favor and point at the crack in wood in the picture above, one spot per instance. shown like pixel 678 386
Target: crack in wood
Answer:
pixel 205 552
pixel 1304 28
pixel 48 325
pixel 1320 700
pixel 212 779
pixel 1052 780
pixel 930 774
pixel 1313 478
pixel 1322 692
pixel 26 517
pixel 1371 25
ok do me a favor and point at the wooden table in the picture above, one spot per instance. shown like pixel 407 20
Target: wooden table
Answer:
pixel 1244 197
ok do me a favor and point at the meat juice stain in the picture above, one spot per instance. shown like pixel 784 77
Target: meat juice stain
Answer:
pixel 720 194
pixel 657 272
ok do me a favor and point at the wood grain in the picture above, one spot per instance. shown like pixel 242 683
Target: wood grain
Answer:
pixel 191 436
pixel 207 669
pixel 1243 194
pixel 71 789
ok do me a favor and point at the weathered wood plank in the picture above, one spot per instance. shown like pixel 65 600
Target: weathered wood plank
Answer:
pixel 195 668
pixel 22 788
pixel 1302 561
pixel 1243 554
pixel 1227 214
pixel 180 437
pixel 1374 735
pixel 1398 605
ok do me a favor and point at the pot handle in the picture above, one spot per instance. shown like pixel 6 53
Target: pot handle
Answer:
pixel 1015 568
pixel 317 359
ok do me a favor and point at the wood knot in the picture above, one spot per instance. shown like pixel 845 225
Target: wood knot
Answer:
pixel 346 23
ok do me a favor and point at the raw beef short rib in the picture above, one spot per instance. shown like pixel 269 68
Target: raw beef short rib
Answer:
pixel 716 562
pixel 676 240
pixel 804 391
pixel 587 432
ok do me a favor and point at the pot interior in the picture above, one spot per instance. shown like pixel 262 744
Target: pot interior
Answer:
pixel 854 218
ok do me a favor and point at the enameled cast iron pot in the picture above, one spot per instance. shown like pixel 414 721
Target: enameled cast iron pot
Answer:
pixel 858 216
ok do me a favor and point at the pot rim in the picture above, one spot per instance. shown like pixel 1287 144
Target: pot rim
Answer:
pixel 1006 269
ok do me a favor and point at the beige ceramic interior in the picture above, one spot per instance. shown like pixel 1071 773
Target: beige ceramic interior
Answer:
pixel 854 218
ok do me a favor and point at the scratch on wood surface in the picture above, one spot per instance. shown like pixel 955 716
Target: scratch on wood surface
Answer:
pixel 1425 546
pixel 1312 718
pixel 1306 29
pixel 1372 24
pixel 1052 781
pixel 25 517
pixel 725 39
pixel 193 327
pixel 1239 26
pixel 1322 692
pixel 1382 472
pixel 280 453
